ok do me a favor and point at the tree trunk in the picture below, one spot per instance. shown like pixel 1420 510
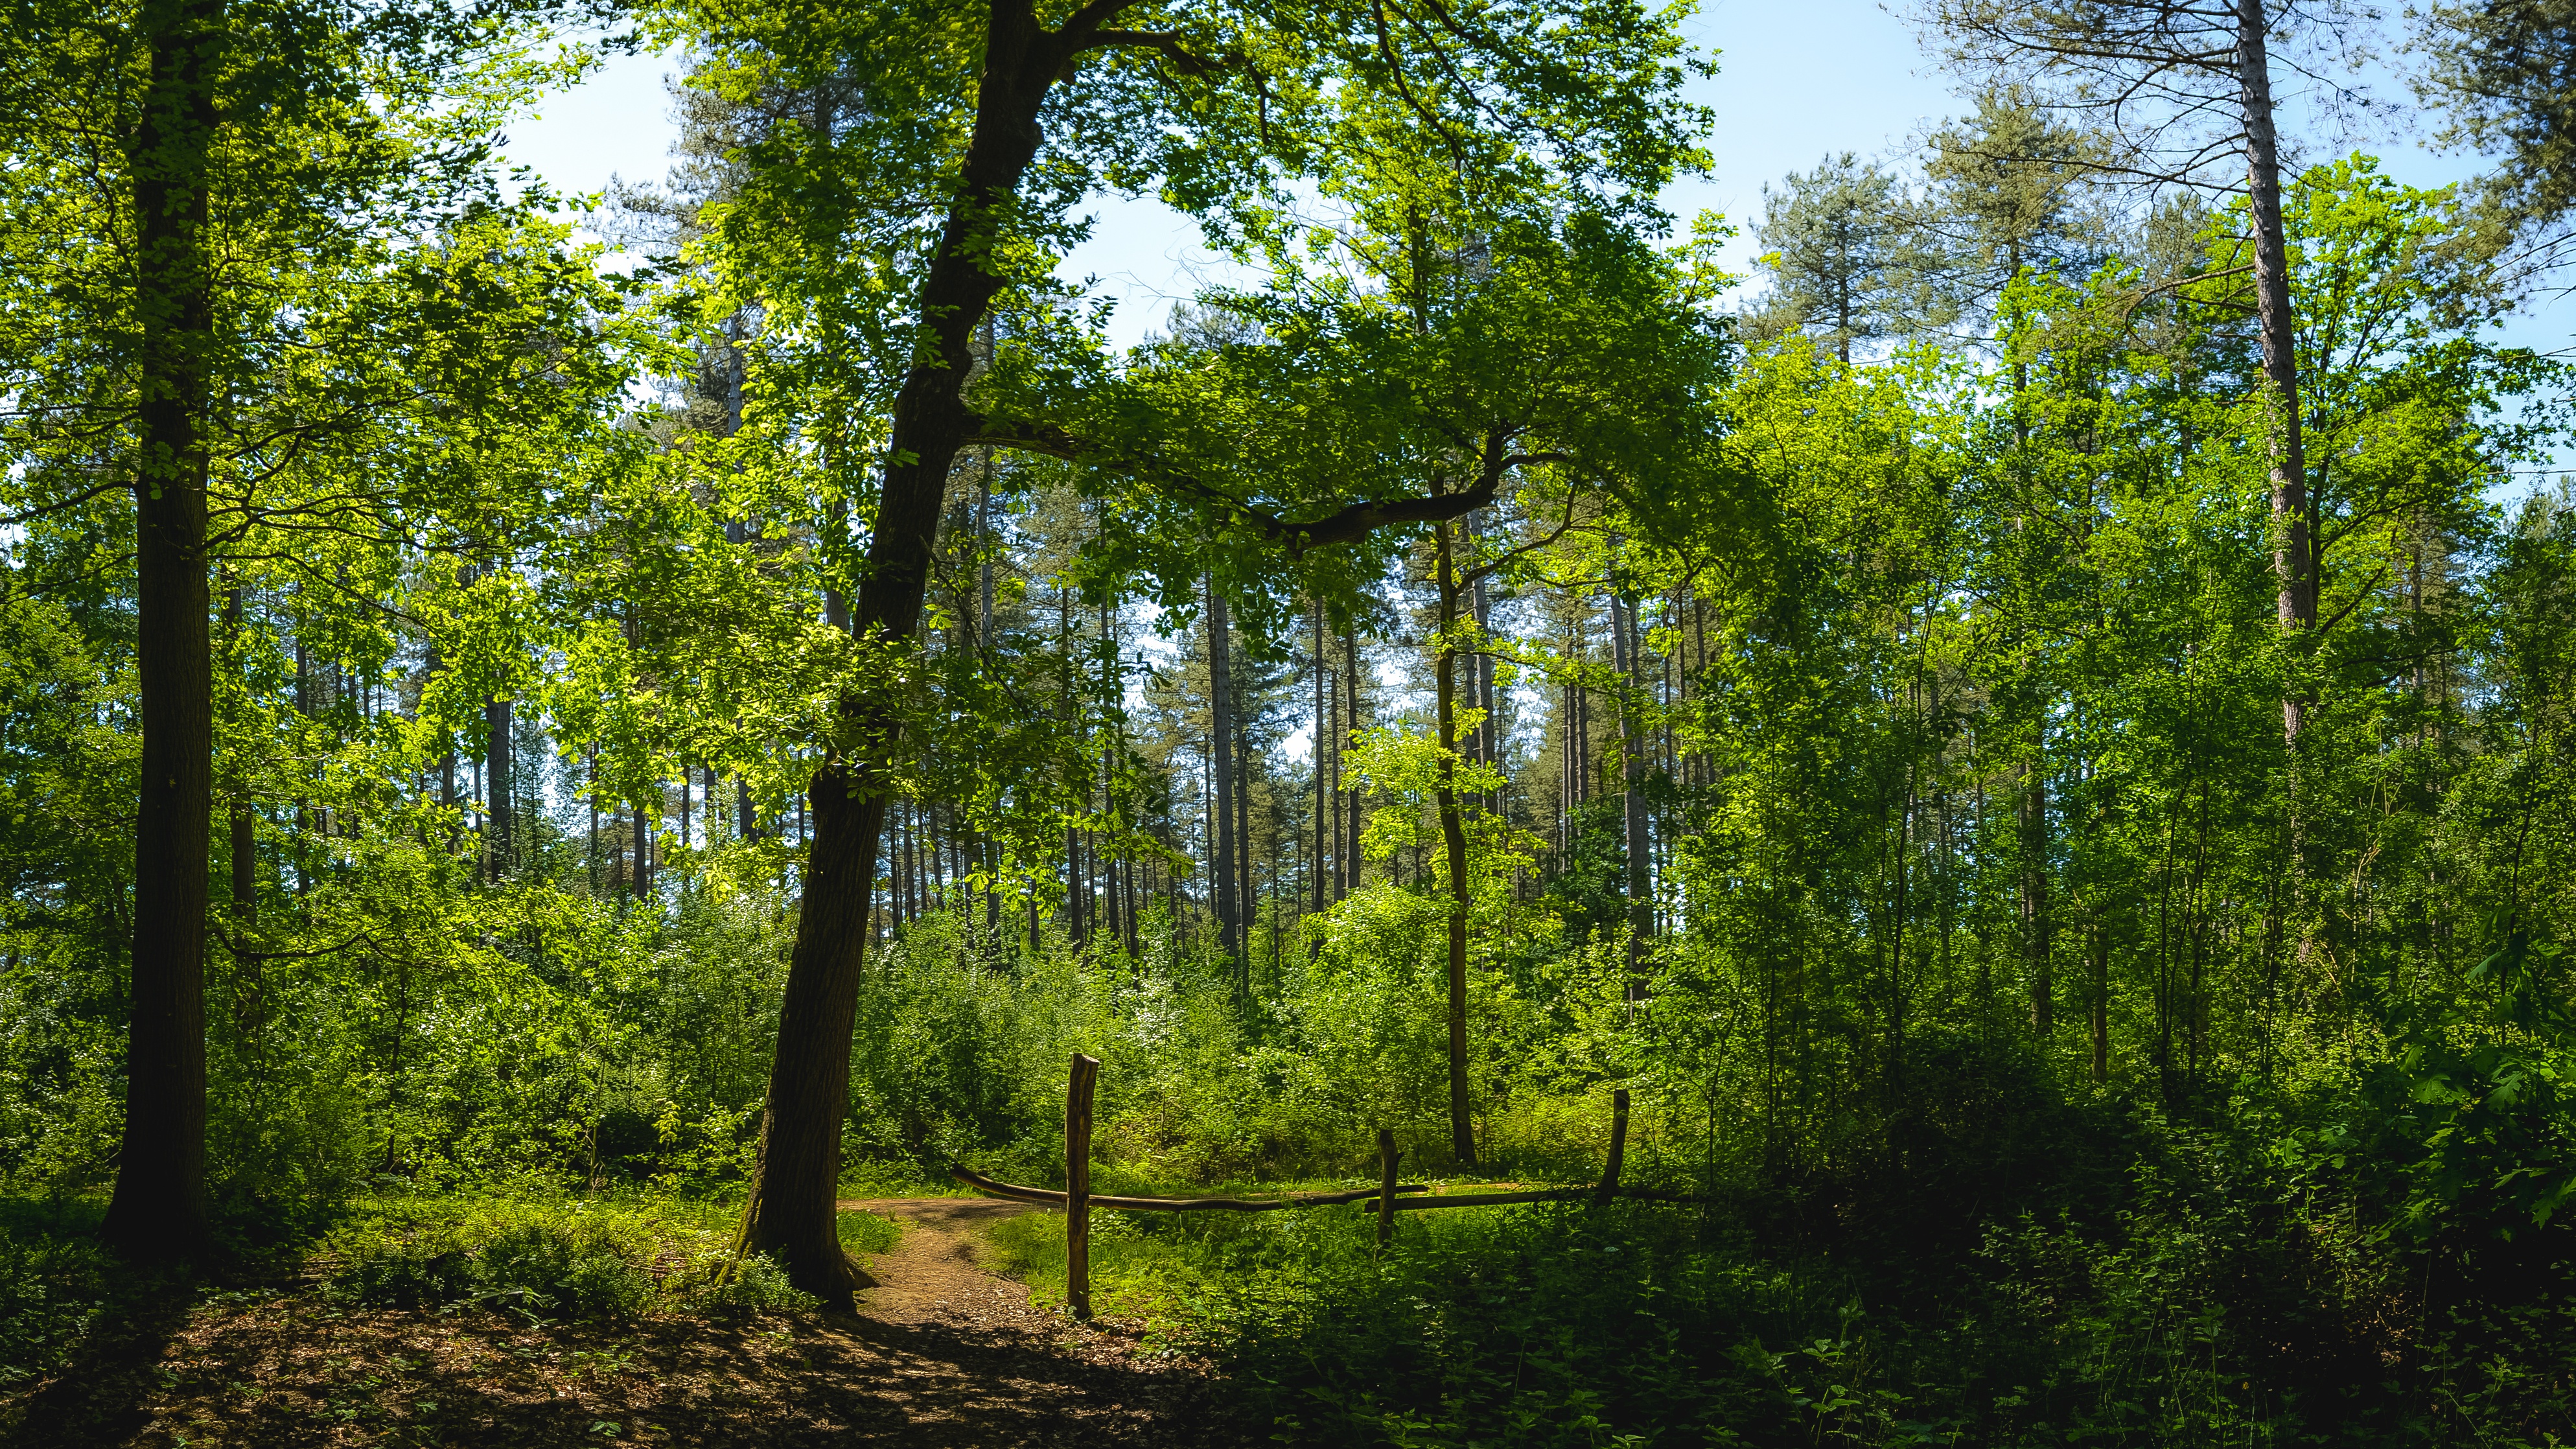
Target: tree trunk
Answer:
pixel 2291 558
pixel 1247 900
pixel 792 1216
pixel 1351 855
pixel 1453 835
pixel 496 724
pixel 159 1207
pixel 1323 771
pixel 1221 877
pixel 1632 748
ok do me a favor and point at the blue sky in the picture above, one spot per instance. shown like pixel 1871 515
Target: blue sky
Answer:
pixel 1795 82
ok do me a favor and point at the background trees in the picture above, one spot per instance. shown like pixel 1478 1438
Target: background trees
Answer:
pixel 723 728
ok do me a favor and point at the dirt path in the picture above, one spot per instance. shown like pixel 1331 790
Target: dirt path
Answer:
pixel 932 1274
pixel 942 1356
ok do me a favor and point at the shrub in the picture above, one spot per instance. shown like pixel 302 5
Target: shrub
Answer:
pixel 560 1272
pixel 756 1285
pixel 51 1287
pixel 549 1260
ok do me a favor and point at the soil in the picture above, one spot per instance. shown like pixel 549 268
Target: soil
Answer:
pixel 941 1354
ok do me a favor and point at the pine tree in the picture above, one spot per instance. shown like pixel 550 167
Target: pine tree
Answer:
pixel 1836 243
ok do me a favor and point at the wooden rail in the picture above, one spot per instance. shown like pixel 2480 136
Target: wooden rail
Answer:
pixel 1078 1199
pixel 1053 1198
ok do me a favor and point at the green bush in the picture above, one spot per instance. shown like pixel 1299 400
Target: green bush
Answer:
pixel 52 1286
pixel 421 1279
pixel 555 1273
pixel 755 1285
pixel 549 1259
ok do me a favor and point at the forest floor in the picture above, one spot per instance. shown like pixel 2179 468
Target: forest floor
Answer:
pixel 942 1353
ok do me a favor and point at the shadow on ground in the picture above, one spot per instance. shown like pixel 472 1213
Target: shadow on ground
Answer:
pixel 954 1357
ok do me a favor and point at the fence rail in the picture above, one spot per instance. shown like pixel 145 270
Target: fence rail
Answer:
pixel 1388 1196
pixel 1053 1198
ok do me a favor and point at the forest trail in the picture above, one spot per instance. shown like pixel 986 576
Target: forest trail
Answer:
pixel 932 1275
pixel 942 1355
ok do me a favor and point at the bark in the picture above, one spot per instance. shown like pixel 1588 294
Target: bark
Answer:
pixel 159 1207
pixel 1221 876
pixel 496 778
pixel 1350 802
pixel 1632 750
pixel 1453 836
pixel 1247 901
pixel 2292 559
pixel 791 1216
pixel 1323 772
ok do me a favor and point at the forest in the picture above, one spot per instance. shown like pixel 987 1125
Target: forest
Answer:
pixel 567 761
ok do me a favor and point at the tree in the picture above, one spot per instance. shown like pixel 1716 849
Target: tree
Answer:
pixel 2507 75
pixel 171 365
pixel 1836 245
pixel 973 134
pixel 2184 90
pixel 2002 192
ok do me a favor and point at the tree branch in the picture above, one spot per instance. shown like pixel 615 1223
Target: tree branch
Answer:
pixel 1166 41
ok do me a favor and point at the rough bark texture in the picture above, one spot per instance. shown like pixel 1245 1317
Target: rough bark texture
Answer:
pixel 1453 835
pixel 1229 927
pixel 159 1209
pixel 2278 325
pixel 1632 752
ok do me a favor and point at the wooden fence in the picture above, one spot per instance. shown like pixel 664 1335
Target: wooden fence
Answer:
pixel 1389 1195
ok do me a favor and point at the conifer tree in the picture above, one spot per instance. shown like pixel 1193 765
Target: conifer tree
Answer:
pixel 1836 243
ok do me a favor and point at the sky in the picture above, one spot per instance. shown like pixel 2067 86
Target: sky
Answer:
pixel 1795 83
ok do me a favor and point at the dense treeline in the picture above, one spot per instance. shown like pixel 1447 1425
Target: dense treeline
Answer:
pixel 2034 735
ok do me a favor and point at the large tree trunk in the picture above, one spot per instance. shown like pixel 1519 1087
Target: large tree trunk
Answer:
pixel 1453 835
pixel 1221 877
pixel 1632 750
pixel 159 1209
pixel 2291 558
pixel 791 1217
pixel 496 787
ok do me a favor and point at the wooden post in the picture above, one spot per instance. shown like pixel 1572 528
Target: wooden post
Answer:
pixel 1386 1156
pixel 1077 1184
pixel 1618 1143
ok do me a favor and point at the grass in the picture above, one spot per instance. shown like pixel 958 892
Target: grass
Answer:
pixel 866 1232
pixel 899 1178
pixel 1566 1324
pixel 1175 1271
